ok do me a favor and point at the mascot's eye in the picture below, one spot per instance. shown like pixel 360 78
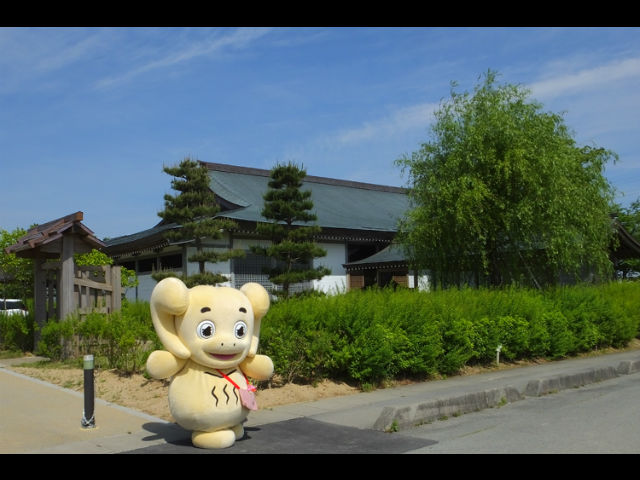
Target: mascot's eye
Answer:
pixel 240 329
pixel 206 329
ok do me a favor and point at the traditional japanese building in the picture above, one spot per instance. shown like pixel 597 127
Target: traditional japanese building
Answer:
pixel 357 220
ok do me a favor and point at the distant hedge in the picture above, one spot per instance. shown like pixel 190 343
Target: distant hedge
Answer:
pixel 373 335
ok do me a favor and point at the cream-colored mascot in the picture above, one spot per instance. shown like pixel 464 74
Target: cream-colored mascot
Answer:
pixel 211 334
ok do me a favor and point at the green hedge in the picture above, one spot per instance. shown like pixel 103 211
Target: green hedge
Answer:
pixel 373 335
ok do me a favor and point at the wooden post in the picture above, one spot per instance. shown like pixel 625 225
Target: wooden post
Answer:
pixel 65 294
pixel 52 286
pixel 39 298
pixel 116 289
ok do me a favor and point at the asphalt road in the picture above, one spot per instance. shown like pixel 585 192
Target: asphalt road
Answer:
pixel 599 418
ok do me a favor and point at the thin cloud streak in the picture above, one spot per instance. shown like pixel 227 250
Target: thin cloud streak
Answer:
pixel 587 79
pixel 403 120
pixel 29 55
pixel 238 39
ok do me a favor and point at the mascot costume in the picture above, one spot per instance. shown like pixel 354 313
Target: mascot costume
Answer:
pixel 211 335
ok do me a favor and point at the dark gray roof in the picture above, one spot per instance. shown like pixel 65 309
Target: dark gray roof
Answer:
pixel 338 204
pixel 628 246
pixel 392 254
pixel 139 241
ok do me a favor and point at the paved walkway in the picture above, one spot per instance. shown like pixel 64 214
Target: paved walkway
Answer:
pixel 38 417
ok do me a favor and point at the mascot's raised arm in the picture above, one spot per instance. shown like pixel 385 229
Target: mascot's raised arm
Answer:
pixel 211 335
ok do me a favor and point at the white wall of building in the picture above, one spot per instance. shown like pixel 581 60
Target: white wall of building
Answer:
pixel 335 258
pixel 143 291
pixel 423 281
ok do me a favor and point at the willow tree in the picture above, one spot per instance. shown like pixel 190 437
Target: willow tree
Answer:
pixel 194 210
pixel 501 193
pixel 288 209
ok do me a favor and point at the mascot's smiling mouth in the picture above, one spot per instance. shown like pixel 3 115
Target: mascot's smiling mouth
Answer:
pixel 221 356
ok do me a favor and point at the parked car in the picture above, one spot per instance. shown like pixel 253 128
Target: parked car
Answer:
pixel 12 306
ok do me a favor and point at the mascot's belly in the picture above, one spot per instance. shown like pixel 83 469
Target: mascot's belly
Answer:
pixel 202 399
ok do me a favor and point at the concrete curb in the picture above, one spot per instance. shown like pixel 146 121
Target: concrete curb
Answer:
pixel 408 416
pixel 544 386
pixel 397 418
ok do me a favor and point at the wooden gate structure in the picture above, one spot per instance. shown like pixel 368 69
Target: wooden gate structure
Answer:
pixel 61 287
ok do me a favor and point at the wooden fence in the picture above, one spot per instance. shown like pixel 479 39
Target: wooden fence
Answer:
pixel 95 289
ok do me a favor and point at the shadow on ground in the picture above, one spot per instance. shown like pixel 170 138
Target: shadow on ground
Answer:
pixel 296 436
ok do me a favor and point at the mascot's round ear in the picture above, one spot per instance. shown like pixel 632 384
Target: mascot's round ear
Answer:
pixel 170 297
pixel 259 299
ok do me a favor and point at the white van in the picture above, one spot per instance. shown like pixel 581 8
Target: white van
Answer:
pixel 12 306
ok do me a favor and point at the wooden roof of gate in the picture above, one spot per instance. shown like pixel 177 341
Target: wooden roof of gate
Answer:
pixel 45 240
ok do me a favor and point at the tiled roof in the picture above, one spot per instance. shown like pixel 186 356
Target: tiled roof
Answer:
pixel 338 204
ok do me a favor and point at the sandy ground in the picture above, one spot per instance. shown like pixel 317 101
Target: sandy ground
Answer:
pixel 150 396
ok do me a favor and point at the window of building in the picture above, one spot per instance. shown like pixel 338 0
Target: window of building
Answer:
pixel 146 265
pixel 129 265
pixel 171 262
pixel 251 268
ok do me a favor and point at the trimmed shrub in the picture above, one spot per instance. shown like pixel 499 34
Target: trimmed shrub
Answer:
pixel 367 336
pixel 16 332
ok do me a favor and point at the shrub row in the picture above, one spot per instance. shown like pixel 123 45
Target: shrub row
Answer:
pixel 369 336
pixel 373 335
pixel 121 340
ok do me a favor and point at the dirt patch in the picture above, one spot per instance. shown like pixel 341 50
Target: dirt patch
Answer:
pixel 150 396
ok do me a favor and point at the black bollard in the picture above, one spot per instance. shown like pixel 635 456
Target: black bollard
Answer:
pixel 88 417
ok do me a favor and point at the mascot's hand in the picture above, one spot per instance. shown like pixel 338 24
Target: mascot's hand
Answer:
pixel 259 367
pixel 162 364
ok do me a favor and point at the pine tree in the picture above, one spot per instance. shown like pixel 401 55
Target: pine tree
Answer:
pixel 292 247
pixel 194 209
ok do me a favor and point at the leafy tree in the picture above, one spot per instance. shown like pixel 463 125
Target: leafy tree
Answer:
pixel 128 278
pixel 629 217
pixel 194 210
pixel 502 192
pixel 16 272
pixel 292 246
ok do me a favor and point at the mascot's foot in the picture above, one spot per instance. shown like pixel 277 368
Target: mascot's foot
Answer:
pixel 217 439
pixel 239 431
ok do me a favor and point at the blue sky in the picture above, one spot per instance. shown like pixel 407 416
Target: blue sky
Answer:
pixel 89 116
